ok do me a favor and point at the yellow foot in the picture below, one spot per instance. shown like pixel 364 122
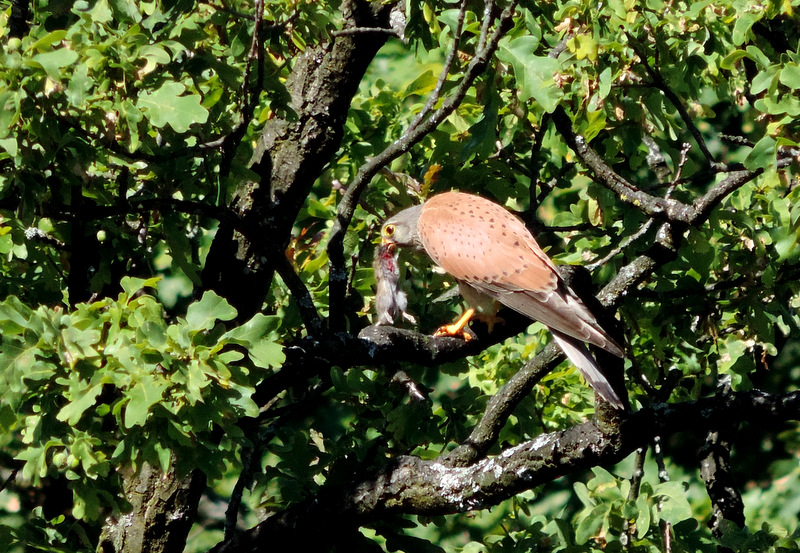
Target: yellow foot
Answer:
pixel 454 332
pixel 458 328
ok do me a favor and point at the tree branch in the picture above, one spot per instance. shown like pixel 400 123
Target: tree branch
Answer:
pixel 660 84
pixel 411 485
pixel 715 470
pixel 448 64
pixel 667 209
pixel 289 156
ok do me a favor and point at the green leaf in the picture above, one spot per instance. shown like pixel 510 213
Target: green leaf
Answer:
pixel 584 46
pixel 764 80
pixel 591 524
pixel 534 73
pixel 605 81
pixel 125 10
pixel 423 84
pixel 9 114
pixel 168 106
pixel 101 12
pixel 132 285
pixel 79 87
pixel 763 154
pixel 144 394
pixel 254 335
pixel 582 492
pixel 788 247
pixel 643 517
pixel 254 329
pixel 674 505
pixel 790 76
pixel 132 116
pixel 53 61
pixel 72 412
pixel 744 22
pixel 180 246
pixel 729 62
pixel 164 456
pixel 266 354
pixel 48 40
pixel 153 55
pixel 203 314
pixel 10 145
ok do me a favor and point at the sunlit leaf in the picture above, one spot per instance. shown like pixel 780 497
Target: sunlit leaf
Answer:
pixel 169 106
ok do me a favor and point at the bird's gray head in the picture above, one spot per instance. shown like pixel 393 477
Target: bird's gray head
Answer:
pixel 401 229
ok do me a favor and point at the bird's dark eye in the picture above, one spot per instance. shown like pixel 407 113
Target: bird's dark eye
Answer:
pixel 388 230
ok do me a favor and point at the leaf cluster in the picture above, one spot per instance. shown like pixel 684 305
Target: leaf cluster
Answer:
pixel 112 383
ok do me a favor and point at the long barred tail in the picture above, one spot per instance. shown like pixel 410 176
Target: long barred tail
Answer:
pixel 579 354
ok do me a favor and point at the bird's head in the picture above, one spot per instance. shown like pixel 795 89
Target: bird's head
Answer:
pixel 401 229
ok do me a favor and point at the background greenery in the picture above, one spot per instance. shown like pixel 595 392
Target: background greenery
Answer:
pixel 131 131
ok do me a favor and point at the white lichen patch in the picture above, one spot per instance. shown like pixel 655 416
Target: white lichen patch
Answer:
pixel 457 485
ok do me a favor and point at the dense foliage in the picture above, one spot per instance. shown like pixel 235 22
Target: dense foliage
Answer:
pixel 190 194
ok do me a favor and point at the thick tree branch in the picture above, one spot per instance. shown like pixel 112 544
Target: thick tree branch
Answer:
pixel 290 155
pixel 667 209
pixel 411 485
pixel 715 469
pixel 163 508
pixel 18 25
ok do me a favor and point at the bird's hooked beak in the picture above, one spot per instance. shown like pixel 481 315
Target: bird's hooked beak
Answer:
pixel 388 246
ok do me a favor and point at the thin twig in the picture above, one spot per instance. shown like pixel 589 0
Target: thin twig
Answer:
pixel 364 31
pixel 252 53
pixel 448 63
pixel 623 246
pixel 663 476
pixel 660 84
pixel 300 294
pixel 8 480
pixel 684 158
pixel 668 209
pixel 633 494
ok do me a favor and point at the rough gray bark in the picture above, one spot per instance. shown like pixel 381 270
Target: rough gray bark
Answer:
pixel 163 510
pixel 411 485
pixel 290 156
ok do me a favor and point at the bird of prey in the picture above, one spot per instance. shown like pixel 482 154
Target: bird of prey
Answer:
pixel 495 259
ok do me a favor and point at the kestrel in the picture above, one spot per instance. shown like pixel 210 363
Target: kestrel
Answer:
pixel 494 258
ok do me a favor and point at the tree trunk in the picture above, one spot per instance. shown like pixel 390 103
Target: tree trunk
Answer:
pixel 290 156
pixel 163 511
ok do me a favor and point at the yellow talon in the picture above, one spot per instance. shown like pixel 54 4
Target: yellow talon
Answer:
pixel 457 328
